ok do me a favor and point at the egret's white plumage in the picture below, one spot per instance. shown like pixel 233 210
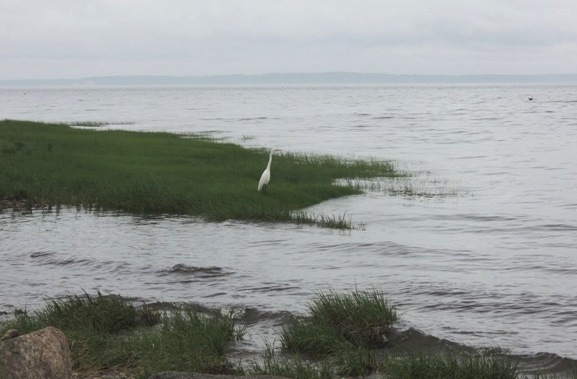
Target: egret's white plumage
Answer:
pixel 265 177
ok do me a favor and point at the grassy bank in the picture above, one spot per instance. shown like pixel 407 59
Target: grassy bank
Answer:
pixel 343 335
pixel 53 164
pixel 109 333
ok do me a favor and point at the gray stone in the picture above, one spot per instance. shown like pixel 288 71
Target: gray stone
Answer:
pixel 41 354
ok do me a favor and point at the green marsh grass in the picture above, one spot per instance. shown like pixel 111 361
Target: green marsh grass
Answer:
pixel 108 332
pixel 99 313
pixel 348 333
pixel 357 362
pixel 368 363
pixel 43 165
pixel 335 340
pixel 431 366
pixel 188 341
pixel 339 322
pixel 273 363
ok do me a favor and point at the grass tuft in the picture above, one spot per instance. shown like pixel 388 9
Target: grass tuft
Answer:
pixel 340 322
pixel 188 341
pixel 98 313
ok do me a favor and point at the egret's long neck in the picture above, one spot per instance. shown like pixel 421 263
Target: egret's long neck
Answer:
pixel 269 161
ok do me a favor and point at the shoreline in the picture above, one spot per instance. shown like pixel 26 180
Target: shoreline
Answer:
pixel 400 342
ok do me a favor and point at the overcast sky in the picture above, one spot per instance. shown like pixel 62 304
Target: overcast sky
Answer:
pixel 79 38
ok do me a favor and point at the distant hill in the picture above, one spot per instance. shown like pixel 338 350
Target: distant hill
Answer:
pixel 288 79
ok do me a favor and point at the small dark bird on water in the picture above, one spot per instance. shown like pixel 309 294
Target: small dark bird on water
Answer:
pixel 530 98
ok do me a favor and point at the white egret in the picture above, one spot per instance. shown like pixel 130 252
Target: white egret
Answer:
pixel 265 177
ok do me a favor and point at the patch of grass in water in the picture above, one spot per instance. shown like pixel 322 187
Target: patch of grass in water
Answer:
pixel 54 164
pixel 340 322
pixel 96 124
pixel 406 186
pixel 430 189
pixel 334 222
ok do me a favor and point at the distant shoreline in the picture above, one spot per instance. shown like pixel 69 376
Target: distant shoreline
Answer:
pixel 335 78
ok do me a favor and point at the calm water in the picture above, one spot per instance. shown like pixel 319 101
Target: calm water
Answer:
pixel 490 260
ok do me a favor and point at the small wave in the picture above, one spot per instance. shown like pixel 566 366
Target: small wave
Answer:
pixel 252 315
pixel 480 218
pixel 210 271
pixel 559 227
pixel 40 254
pixel 569 271
pixel 175 306
pixel 216 294
pixel 363 126
pixel 545 363
pixel 563 101
pixel 50 258
pixel 261 118
pixel 271 287
pixel 469 157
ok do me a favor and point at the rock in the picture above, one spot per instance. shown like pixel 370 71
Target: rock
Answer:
pixel 191 375
pixel 42 354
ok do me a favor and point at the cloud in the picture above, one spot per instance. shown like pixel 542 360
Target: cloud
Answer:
pixel 104 37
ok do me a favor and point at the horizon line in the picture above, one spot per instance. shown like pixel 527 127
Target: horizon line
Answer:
pixel 295 77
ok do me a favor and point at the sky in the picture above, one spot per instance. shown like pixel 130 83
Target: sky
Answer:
pixel 49 39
